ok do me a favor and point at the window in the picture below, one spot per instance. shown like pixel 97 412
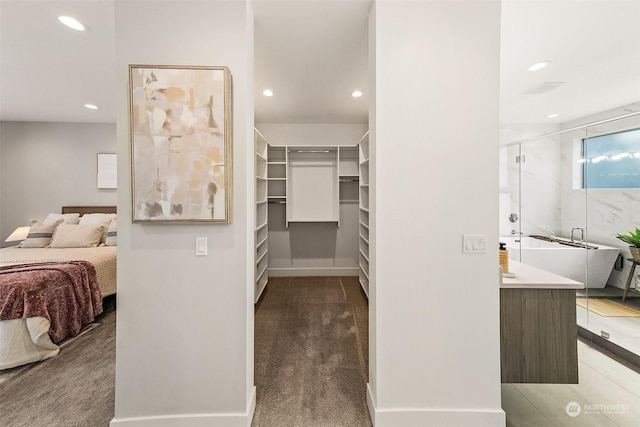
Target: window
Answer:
pixel 611 161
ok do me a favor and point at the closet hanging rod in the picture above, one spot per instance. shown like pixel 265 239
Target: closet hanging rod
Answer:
pixel 276 201
pixel 309 151
pixel 349 180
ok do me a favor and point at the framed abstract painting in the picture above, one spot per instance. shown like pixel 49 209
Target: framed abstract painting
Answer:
pixel 180 131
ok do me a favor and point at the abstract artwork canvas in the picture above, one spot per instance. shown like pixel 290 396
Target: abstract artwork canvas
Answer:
pixel 180 125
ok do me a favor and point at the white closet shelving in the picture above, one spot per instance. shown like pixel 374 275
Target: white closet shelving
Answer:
pixel 277 174
pixel 312 185
pixel 312 181
pixel 348 174
pixel 262 220
pixel 363 257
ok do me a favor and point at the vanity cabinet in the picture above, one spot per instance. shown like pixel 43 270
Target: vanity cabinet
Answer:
pixel 538 329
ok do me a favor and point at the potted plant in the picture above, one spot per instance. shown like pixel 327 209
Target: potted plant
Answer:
pixel 632 238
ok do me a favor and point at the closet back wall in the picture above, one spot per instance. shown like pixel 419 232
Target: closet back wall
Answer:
pixel 313 249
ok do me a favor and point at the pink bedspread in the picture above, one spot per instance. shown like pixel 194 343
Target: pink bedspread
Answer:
pixel 65 293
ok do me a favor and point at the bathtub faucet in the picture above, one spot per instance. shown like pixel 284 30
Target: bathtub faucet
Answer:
pixel 581 234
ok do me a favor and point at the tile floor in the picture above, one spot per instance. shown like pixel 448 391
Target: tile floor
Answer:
pixel 608 395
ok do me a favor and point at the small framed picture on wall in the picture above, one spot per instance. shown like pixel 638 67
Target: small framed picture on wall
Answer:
pixel 107 171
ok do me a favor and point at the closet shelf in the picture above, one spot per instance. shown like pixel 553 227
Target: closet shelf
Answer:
pixel 261 156
pixel 261 243
pixel 312 220
pixel 364 271
pixel 261 257
pixel 276 163
pixel 260 227
pixel 259 202
pixel 261 178
pixel 263 270
pixel 277 179
pixel 363 229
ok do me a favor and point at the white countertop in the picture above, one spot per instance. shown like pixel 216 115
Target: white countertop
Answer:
pixel 535 278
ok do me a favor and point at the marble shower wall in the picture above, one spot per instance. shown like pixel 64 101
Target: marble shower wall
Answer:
pixel 530 189
pixel 603 211
pixel 546 192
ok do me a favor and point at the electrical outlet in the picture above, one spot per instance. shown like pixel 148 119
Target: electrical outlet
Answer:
pixel 605 334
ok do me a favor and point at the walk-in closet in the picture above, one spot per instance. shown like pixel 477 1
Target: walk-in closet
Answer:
pixel 312 203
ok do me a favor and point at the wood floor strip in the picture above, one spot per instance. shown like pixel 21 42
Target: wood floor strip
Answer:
pixel 607 308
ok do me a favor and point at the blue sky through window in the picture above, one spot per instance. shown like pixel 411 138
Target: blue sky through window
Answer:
pixel 612 161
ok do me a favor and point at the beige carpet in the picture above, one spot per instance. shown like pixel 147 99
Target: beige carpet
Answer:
pixel 311 353
pixel 7 374
pixel 73 389
pixel 607 308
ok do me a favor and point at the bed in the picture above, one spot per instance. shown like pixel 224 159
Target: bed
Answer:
pixel 70 281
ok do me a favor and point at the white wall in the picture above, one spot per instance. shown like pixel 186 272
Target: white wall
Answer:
pixel 335 249
pixel 436 359
pixel 49 165
pixel 185 323
pixel 312 134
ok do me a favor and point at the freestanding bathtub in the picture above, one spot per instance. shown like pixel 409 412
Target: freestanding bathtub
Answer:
pixel 589 266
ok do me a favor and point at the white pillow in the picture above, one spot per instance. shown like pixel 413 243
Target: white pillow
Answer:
pixel 112 234
pixel 76 236
pixel 70 218
pixel 100 219
pixel 39 235
pixel 97 218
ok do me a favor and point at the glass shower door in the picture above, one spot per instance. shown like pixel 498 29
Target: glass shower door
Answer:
pixel 611 182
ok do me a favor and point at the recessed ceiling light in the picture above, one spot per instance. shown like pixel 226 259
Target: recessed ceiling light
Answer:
pixel 267 92
pixel 552 116
pixel 539 65
pixel 91 106
pixel 72 23
pixel 356 94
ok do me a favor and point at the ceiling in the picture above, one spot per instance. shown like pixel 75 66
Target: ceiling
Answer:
pixel 48 72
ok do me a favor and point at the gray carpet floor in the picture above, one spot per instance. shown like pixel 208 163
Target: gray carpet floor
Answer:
pixel 75 388
pixel 311 364
pixel 311 353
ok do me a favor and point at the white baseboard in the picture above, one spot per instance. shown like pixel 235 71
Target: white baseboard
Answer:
pixel 193 420
pixel 420 417
pixel 305 272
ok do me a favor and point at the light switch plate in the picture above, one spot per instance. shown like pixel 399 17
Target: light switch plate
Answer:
pixel 474 243
pixel 201 246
